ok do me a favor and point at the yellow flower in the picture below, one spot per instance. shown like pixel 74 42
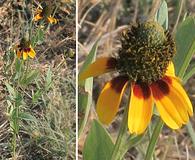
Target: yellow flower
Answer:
pixel 24 49
pixel 144 61
pixel 45 14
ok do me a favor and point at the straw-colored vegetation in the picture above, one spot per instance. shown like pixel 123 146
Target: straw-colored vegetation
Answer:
pixel 37 95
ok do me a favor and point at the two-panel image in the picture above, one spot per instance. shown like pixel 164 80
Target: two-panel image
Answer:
pixel 97 79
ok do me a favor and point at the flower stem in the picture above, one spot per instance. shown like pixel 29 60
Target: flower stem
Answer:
pixel 153 140
pixel 123 128
pixel 117 147
pixel 124 140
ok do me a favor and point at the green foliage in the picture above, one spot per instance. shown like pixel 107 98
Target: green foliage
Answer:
pixel 185 42
pixel 162 15
pixel 85 96
pixel 11 90
pixel 38 38
pixel 29 77
pixel 48 80
pixel 98 144
pixel 27 117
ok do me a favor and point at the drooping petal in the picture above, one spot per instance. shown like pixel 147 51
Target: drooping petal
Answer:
pixel 38 17
pixel 179 90
pixel 18 53
pixel 170 102
pixel 52 20
pixel 25 55
pixel 170 69
pixel 31 53
pixel 140 108
pixel 100 66
pixel 110 98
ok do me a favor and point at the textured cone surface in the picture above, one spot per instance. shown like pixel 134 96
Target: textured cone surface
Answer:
pixel 146 52
pixel 24 43
pixel 47 11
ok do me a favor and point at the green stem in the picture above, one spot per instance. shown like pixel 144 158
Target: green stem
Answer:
pixel 124 141
pixel 150 135
pixel 116 151
pixel 191 132
pixel 154 138
pixel 14 144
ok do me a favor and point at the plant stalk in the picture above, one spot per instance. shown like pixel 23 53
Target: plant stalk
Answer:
pixel 123 128
pixel 154 138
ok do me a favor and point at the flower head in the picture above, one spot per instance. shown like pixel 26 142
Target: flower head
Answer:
pixel 25 49
pixel 45 14
pixel 144 61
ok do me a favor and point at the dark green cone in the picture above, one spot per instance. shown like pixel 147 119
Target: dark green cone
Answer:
pixel 146 52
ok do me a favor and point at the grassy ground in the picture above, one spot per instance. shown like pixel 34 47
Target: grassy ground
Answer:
pixel 49 132
pixel 105 20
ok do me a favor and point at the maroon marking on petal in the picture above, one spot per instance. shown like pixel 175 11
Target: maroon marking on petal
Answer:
pixel 137 91
pixel 41 14
pixel 160 89
pixel 141 90
pixel 112 62
pixel 118 83
pixel 167 79
pixel 26 49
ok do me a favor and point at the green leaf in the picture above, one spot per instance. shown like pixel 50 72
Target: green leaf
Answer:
pixel 40 35
pixel 38 38
pixel 189 72
pixel 191 132
pixel 10 89
pixel 154 138
pixel 98 144
pixel 18 65
pixel 85 97
pixel 162 15
pixel 29 77
pixel 27 117
pixel 36 96
pixel 185 43
pixel 48 80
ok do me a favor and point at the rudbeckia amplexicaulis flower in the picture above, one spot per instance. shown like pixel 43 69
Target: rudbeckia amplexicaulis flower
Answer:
pixel 24 49
pixel 145 61
pixel 45 14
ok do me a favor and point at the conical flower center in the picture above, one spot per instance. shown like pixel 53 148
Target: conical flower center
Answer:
pixel 24 44
pixel 47 11
pixel 146 52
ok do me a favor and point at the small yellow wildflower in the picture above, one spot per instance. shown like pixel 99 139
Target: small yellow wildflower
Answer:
pixel 24 49
pixel 45 14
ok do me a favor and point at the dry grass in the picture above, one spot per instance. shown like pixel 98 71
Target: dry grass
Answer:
pixel 106 20
pixel 53 135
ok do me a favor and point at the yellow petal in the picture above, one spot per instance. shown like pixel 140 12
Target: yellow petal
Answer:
pixel 170 69
pixel 18 53
pixel 38 17
pixel 170 103
pixel 31 53
pixel 25 55
pixel 100 66
pixel 52 20
pixel 140 108
pixel 179 90
pixel 110 98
